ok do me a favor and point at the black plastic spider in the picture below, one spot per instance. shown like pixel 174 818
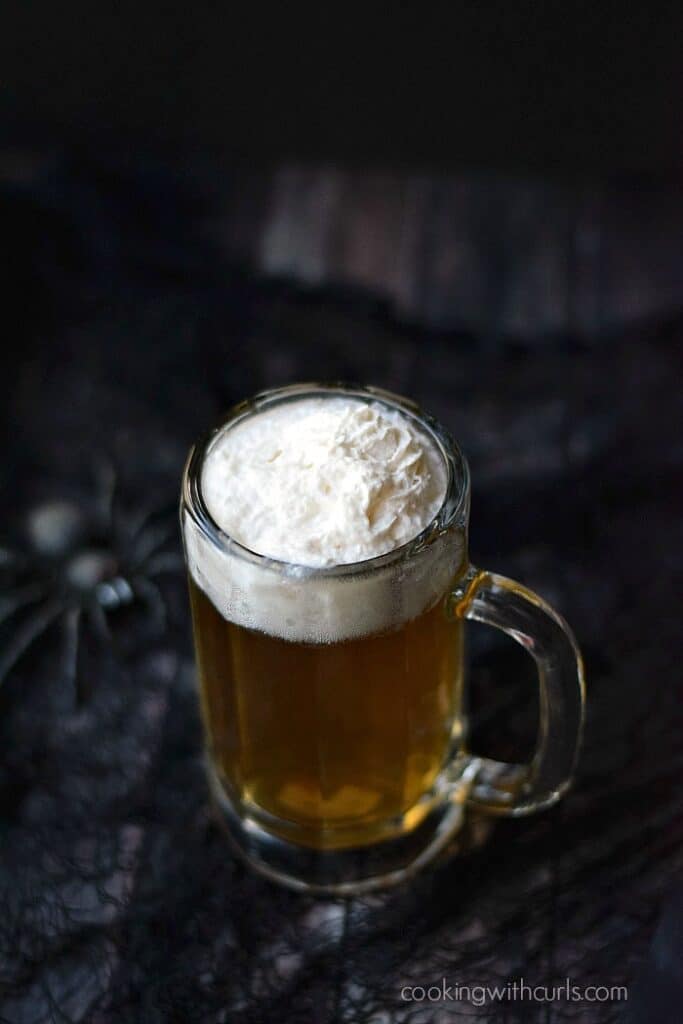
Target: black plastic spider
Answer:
pixel 79 562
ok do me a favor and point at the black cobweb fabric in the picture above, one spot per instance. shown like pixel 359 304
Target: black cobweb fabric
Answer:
pixel 119 897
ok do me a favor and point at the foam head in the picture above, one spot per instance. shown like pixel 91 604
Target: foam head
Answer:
pixel 311 496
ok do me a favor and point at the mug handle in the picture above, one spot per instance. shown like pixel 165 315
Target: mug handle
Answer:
pixel 514 789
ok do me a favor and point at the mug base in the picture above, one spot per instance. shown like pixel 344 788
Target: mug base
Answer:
pixel 355 870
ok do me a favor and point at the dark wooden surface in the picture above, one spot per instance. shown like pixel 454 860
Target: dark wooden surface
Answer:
pixel 527 260
pixel 141 302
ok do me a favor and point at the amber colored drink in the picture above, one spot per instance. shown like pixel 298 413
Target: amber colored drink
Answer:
pixel 338 742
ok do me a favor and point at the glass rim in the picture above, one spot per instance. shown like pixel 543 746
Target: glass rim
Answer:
pixel 452 509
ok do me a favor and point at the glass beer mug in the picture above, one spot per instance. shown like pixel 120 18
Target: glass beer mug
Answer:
pixel 333 698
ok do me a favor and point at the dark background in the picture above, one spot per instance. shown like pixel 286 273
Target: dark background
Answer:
pixel 558 88
pixel 482 212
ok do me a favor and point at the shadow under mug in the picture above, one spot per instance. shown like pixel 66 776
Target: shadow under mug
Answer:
pixel 333 699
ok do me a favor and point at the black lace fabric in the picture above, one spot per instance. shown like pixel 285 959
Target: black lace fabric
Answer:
pixel 120 899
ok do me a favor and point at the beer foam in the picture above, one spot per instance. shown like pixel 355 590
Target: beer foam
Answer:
pixel 317 483
pixel 324 481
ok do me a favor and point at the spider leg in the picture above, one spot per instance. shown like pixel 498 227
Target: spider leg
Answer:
pixel 75 666
pixel 161 562
pixel 107 482
pixel 152 597
pixel 140 519
pixel 150 540
pixel 136 521
pixel 27 634
pixel 98 620
pixel 22 597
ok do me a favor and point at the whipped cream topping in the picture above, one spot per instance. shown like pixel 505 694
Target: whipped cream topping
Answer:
pixel 319 482
pixel 324 481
